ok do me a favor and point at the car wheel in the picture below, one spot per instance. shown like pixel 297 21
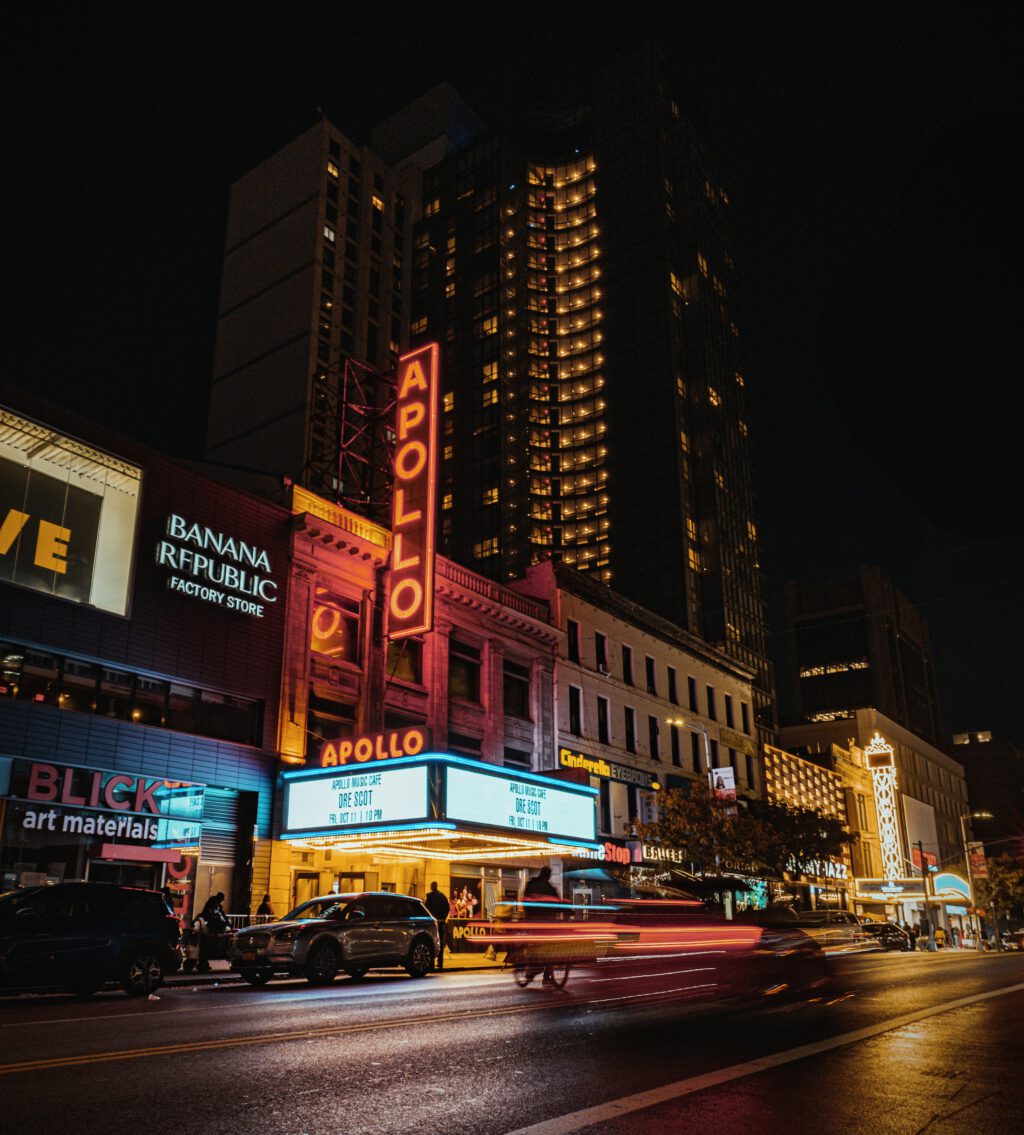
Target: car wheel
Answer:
pixel 322 964
pixel 256 976
pixel 142 974
pixel 357 973
pixel 421 959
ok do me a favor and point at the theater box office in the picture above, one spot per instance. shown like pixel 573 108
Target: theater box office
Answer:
pixel 141 627
pixel 438 817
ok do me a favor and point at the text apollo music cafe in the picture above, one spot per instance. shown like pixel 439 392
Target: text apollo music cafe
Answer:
pixel 436 805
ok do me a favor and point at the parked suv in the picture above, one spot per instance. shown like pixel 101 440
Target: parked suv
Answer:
pixel 79 936
pixel 352 932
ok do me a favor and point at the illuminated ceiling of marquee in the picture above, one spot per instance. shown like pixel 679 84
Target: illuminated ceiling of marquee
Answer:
pixel 437 843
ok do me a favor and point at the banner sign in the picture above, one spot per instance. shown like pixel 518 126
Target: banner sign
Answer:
pixel 411 598
pixel 976 856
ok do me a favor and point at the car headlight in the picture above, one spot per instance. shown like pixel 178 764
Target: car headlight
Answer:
pixel 287 935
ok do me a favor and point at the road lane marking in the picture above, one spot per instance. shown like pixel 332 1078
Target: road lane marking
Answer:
pixel 615 1109
pixel 265 1038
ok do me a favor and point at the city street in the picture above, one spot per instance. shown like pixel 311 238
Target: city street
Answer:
pixel 927 1042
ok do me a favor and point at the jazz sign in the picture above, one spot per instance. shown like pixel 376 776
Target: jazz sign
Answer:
pixel 411 600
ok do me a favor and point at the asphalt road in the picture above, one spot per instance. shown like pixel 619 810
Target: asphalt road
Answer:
pixel 927 1044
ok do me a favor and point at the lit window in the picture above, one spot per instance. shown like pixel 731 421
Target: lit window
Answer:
pixel 744 429
pixel 448 401
pixel 448 451
pixel 684 441
pixel 490 397
pixel 449 290
pixel 377 202
pixel 329 233
pixel 751 530
pixel 490 325
pixel 714 397
pixel 694 559
pixel 677 284
pixel 702 263
pixel 681 386
pixel 490 495
pixel 739 380
pixel 419 326
pixel 332 169
pixel 432 207
pixel 719 479
pixel 486 548
pixel 446 501
pixel 490 372
pixel 691 528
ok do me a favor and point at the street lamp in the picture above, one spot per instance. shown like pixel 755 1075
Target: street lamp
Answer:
pixel 970 874
pixel 697 729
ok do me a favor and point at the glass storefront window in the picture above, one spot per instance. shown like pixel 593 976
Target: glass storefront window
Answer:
pixel 230 719
pixel 78 686
pixel 40 678
pixel 150 705
pixel 335 626
pixel 115 697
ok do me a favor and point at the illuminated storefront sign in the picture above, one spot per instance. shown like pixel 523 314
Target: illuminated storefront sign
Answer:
pixel 68 515
pixel 117 806
pixel 439 791
pixel 216 568
pixel 411 599
pixel 882 764
pixel 520 804
pixel 393 743
pixel 605 769
pixel 355 798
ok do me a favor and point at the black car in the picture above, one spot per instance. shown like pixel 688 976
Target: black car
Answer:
pixel 888 936
pixel 79 936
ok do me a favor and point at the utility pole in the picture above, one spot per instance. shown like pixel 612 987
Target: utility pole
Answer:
pixel 926 879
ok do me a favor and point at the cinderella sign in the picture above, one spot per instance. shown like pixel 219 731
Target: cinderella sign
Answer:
pixel 216 568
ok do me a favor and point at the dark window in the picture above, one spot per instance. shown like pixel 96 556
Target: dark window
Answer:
pixel 516 758
pixel 714 754
pixel 712 711
pixel 745 716
pixel 405 661
pixel 676 755
pixel 750 773
pixel 627 665
pixel 600 651
pixel 605 801
pixel 652 737
pixel 691 691
pixel 572 631
pixel 728 711
pixel 327 720
pixel 517 689
pixel 463 671
pixel 695 740
pixel 602 721
pixel 630 720
pixel 464 746
pixel 673 692
pixel 575 711
pixel 652 681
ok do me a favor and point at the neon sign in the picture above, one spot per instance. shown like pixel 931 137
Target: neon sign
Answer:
pixel 393 743
pixel 882 764
pixel 411 602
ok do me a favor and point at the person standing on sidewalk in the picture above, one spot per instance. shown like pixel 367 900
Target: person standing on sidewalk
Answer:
pixel 439 906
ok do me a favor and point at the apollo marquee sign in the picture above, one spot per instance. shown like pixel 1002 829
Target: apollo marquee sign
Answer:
pixel 411 595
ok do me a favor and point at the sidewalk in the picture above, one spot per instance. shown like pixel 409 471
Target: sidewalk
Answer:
pixel 220 972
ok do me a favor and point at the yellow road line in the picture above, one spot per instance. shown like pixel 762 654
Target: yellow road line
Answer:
pixel 264 1038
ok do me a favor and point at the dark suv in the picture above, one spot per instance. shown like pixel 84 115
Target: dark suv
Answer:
pixel 353 933
pixel 79 936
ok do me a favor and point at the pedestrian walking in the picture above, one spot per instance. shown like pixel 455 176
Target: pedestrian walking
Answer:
pixel 439 906
pixel 265 907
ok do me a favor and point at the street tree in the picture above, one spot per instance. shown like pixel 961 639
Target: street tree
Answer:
pixel 1003 890
pixel 787 837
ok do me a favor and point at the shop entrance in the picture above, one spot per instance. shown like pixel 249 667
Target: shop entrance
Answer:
pixel 125 874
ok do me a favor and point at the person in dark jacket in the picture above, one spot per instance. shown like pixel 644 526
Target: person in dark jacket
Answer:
pixel 265 907
pixel 439 906
pixel 213 914
pixel 541 887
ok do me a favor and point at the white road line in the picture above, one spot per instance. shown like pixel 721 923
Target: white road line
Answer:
pixel 613 1109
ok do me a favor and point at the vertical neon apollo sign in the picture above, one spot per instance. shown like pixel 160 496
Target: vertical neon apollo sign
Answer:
pixel 411 599
pixel 883 775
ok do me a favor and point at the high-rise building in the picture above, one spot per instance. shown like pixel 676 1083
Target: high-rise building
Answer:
pixel 858 643
pixel 580 276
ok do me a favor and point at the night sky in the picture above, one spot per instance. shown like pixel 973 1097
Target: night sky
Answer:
pixel 871 153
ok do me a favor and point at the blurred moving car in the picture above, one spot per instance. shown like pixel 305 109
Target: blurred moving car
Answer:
pixel 664 949
pixel 836 931
pixel 80 936
pixel 352 933
pixel 887 935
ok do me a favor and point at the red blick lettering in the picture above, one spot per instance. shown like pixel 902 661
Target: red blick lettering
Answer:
pixel 42 783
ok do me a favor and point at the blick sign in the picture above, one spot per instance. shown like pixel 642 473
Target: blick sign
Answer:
pixel 411 600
